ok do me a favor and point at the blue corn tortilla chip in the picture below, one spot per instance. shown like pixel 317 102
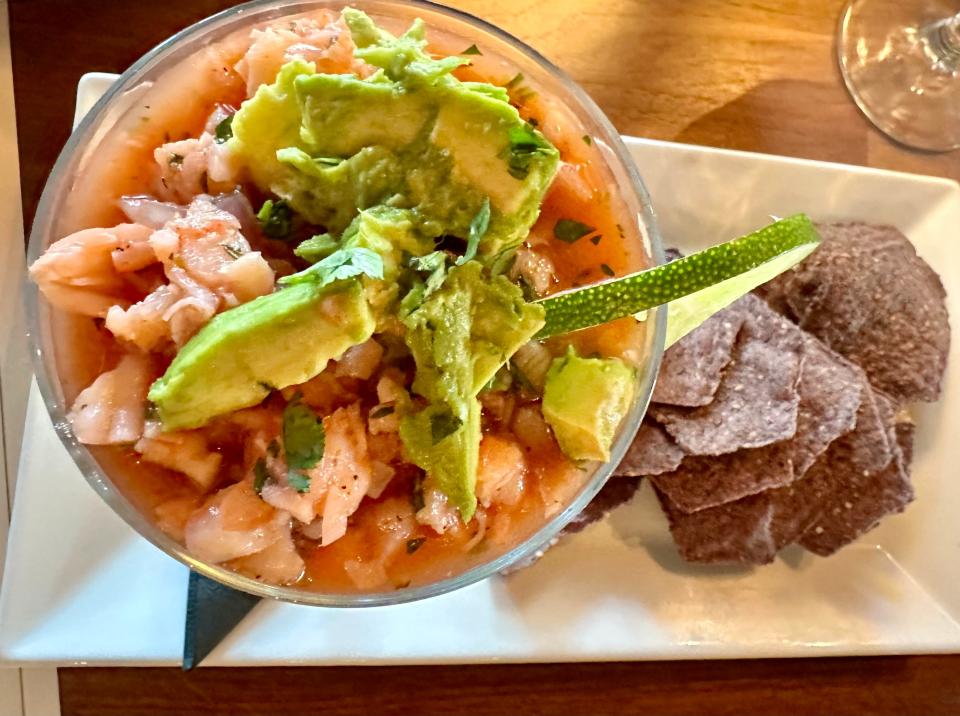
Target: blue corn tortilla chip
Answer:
pixel 693 367
pixel 755 528
pixel 652 452
pixel 867 295
pixel 859 498
pixel 757 400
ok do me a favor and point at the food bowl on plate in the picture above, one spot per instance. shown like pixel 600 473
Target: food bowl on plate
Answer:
pixel 288 331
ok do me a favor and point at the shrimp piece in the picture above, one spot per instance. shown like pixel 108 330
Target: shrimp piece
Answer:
pixel 391 525
pixel 78 274
pixel 322 39
pixel 143 323
pixel 532 430
pixel 345 470
pixel 337 484
pixel 233 523
pixel 380 476
pixel 172 515
pixel 360 361
pixel 185 451
pixel 195 306
pixel 502 472
pixel 206 243
pixel 535 269
pixel 324 393
pixel 133 251
pixel 437 513
pixel 280 563
pixel 248 277
pixel 111 410
pixel 197 165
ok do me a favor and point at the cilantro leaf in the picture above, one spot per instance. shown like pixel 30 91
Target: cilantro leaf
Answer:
pixel 478 228
pixel 260 476
pixel 341 264
pixel 525 143
pixel 303 436
pixel 382 412
pixel 298 481
pixel 443 425
pixel 607 270
pixel 414 544
pixel 472 50
pixel 276 219
pixel 224 130
pixel 435 265
pixel 568 230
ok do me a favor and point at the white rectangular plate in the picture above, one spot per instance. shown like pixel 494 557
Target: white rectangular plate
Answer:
pixel 82 587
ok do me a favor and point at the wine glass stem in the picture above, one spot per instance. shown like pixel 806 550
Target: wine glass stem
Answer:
pixel 943 39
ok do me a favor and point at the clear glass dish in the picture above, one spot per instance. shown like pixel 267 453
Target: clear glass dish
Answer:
pixel 127 93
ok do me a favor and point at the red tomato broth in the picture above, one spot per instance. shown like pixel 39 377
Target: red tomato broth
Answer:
pixel 584 191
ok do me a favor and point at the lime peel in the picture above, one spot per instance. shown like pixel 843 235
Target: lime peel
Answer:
pixel 700 284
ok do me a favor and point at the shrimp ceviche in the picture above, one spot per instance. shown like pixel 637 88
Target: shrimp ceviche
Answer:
pixel 295 305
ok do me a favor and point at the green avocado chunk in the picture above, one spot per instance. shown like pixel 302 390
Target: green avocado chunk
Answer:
pixel 584 401
pixel 411 137
pixel 460 335
pixel 271 342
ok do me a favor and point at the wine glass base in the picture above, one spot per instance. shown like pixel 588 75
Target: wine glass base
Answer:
pixel 895 73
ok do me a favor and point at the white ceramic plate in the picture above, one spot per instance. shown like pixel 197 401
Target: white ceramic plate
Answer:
pixel 82 587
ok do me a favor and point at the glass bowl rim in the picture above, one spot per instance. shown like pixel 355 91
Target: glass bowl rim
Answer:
pixel 119 503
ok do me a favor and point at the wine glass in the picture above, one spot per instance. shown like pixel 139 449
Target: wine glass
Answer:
pixel 900 60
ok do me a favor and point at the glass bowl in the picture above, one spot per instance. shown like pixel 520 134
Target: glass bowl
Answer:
pixel 127 95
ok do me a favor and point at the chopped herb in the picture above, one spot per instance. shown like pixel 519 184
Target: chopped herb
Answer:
pixel 525 143
pixel 150 411
pixel 224 130
pixel 414 544
pixel 587 139
pixel 416 496
pixel 273 449
pixel 341 264
pixel 260 475
pixel 232 251
pixel 175 160
pixel 472 50
pixel 607 270
pixel 620 230
pixel 596 239
pixel 298 481
pixel 478 228
pixel 381 412
pixel 443 425
pixel 568 230
pixel 303 436
pixel 534 122
pixel 276 219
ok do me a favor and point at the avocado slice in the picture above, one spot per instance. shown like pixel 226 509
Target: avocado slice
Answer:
pixel 584 401
pixel 460 335
pixel 271 342
pixel 411 136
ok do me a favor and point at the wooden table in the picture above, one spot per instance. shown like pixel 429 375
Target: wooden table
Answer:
pixel 747 74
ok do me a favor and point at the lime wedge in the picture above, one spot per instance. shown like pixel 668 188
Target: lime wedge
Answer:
pixel 699 285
